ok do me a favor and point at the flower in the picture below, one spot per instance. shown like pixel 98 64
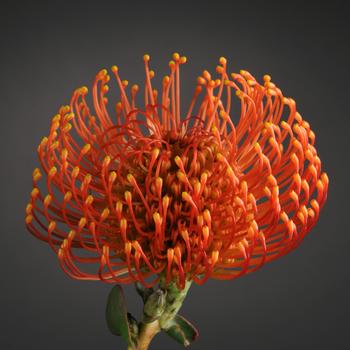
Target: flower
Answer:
pixel 141 193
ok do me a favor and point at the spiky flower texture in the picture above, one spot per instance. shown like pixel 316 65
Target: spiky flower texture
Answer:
pixel 151 194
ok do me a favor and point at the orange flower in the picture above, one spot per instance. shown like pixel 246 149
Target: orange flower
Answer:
pixel 142 193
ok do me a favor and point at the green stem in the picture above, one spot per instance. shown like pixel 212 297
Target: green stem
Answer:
pixel 174 300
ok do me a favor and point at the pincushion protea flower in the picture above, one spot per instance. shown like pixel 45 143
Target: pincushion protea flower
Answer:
pixel 150 194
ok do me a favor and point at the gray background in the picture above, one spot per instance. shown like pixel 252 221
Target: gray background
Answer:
pixel 298 302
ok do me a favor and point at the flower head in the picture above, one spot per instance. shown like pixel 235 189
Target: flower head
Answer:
pixel 133 193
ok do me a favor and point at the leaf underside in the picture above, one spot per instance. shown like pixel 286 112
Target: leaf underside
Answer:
pixel 182 331
pixel 116 314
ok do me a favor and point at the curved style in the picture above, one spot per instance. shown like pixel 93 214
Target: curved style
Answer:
pixel 136 193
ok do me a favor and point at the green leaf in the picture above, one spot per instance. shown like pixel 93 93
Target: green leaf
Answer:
pixel 116 314
pixel 182 331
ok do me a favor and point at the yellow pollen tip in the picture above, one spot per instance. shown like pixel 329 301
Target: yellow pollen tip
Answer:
pixel 75 172
pixel 53 171
pixel 176 56
pixel 60 253
pixel 55 144
pixel 106 160
pixel 219 69
pixel 222 114
pixel 230 173
pixel 112 176
pixel 199 220
pixel 165 201
pixel 157 218
pixel 47 200
pixel 123 223
pixel 67 127
pixel 29 219
pixel 185 196
pixel 166 80
pixel 86 148
pixel 207 216
pixel 125 83
pixel 103 72
pixel 183 59
pixel 36 170
pixel 184 235
pixel 177 252
pixel 114 69
pixel 159 181
pixel 214 257
pixel 130 178
pixel 178 161
pixel 135 88
pixel 69 117
pixel 220 157
pixel 43 141
pixel 127 248
pixel 222 60
pixel 119 206
pixel 36 174
pixel 128 196
pixel 89 199
pixel 206 75
pixel 214 130
pixel 146 57
pixel 205 231
pixel 151 74
pixel 67 196
pixel 51 226
pixel 87 178
pixel 197 187
pixel 170 254
pixel 84 90
pixel 71 235
pixel 201 81
pixel 29 208
pixel 82 223
pixel 155 152
pixel 324 178
pixel 204 177
pixel 64 153
pixel 181 176
pixel 105 214
pixel 56 118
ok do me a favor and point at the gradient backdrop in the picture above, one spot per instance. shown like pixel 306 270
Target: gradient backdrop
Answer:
pixel 49 48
